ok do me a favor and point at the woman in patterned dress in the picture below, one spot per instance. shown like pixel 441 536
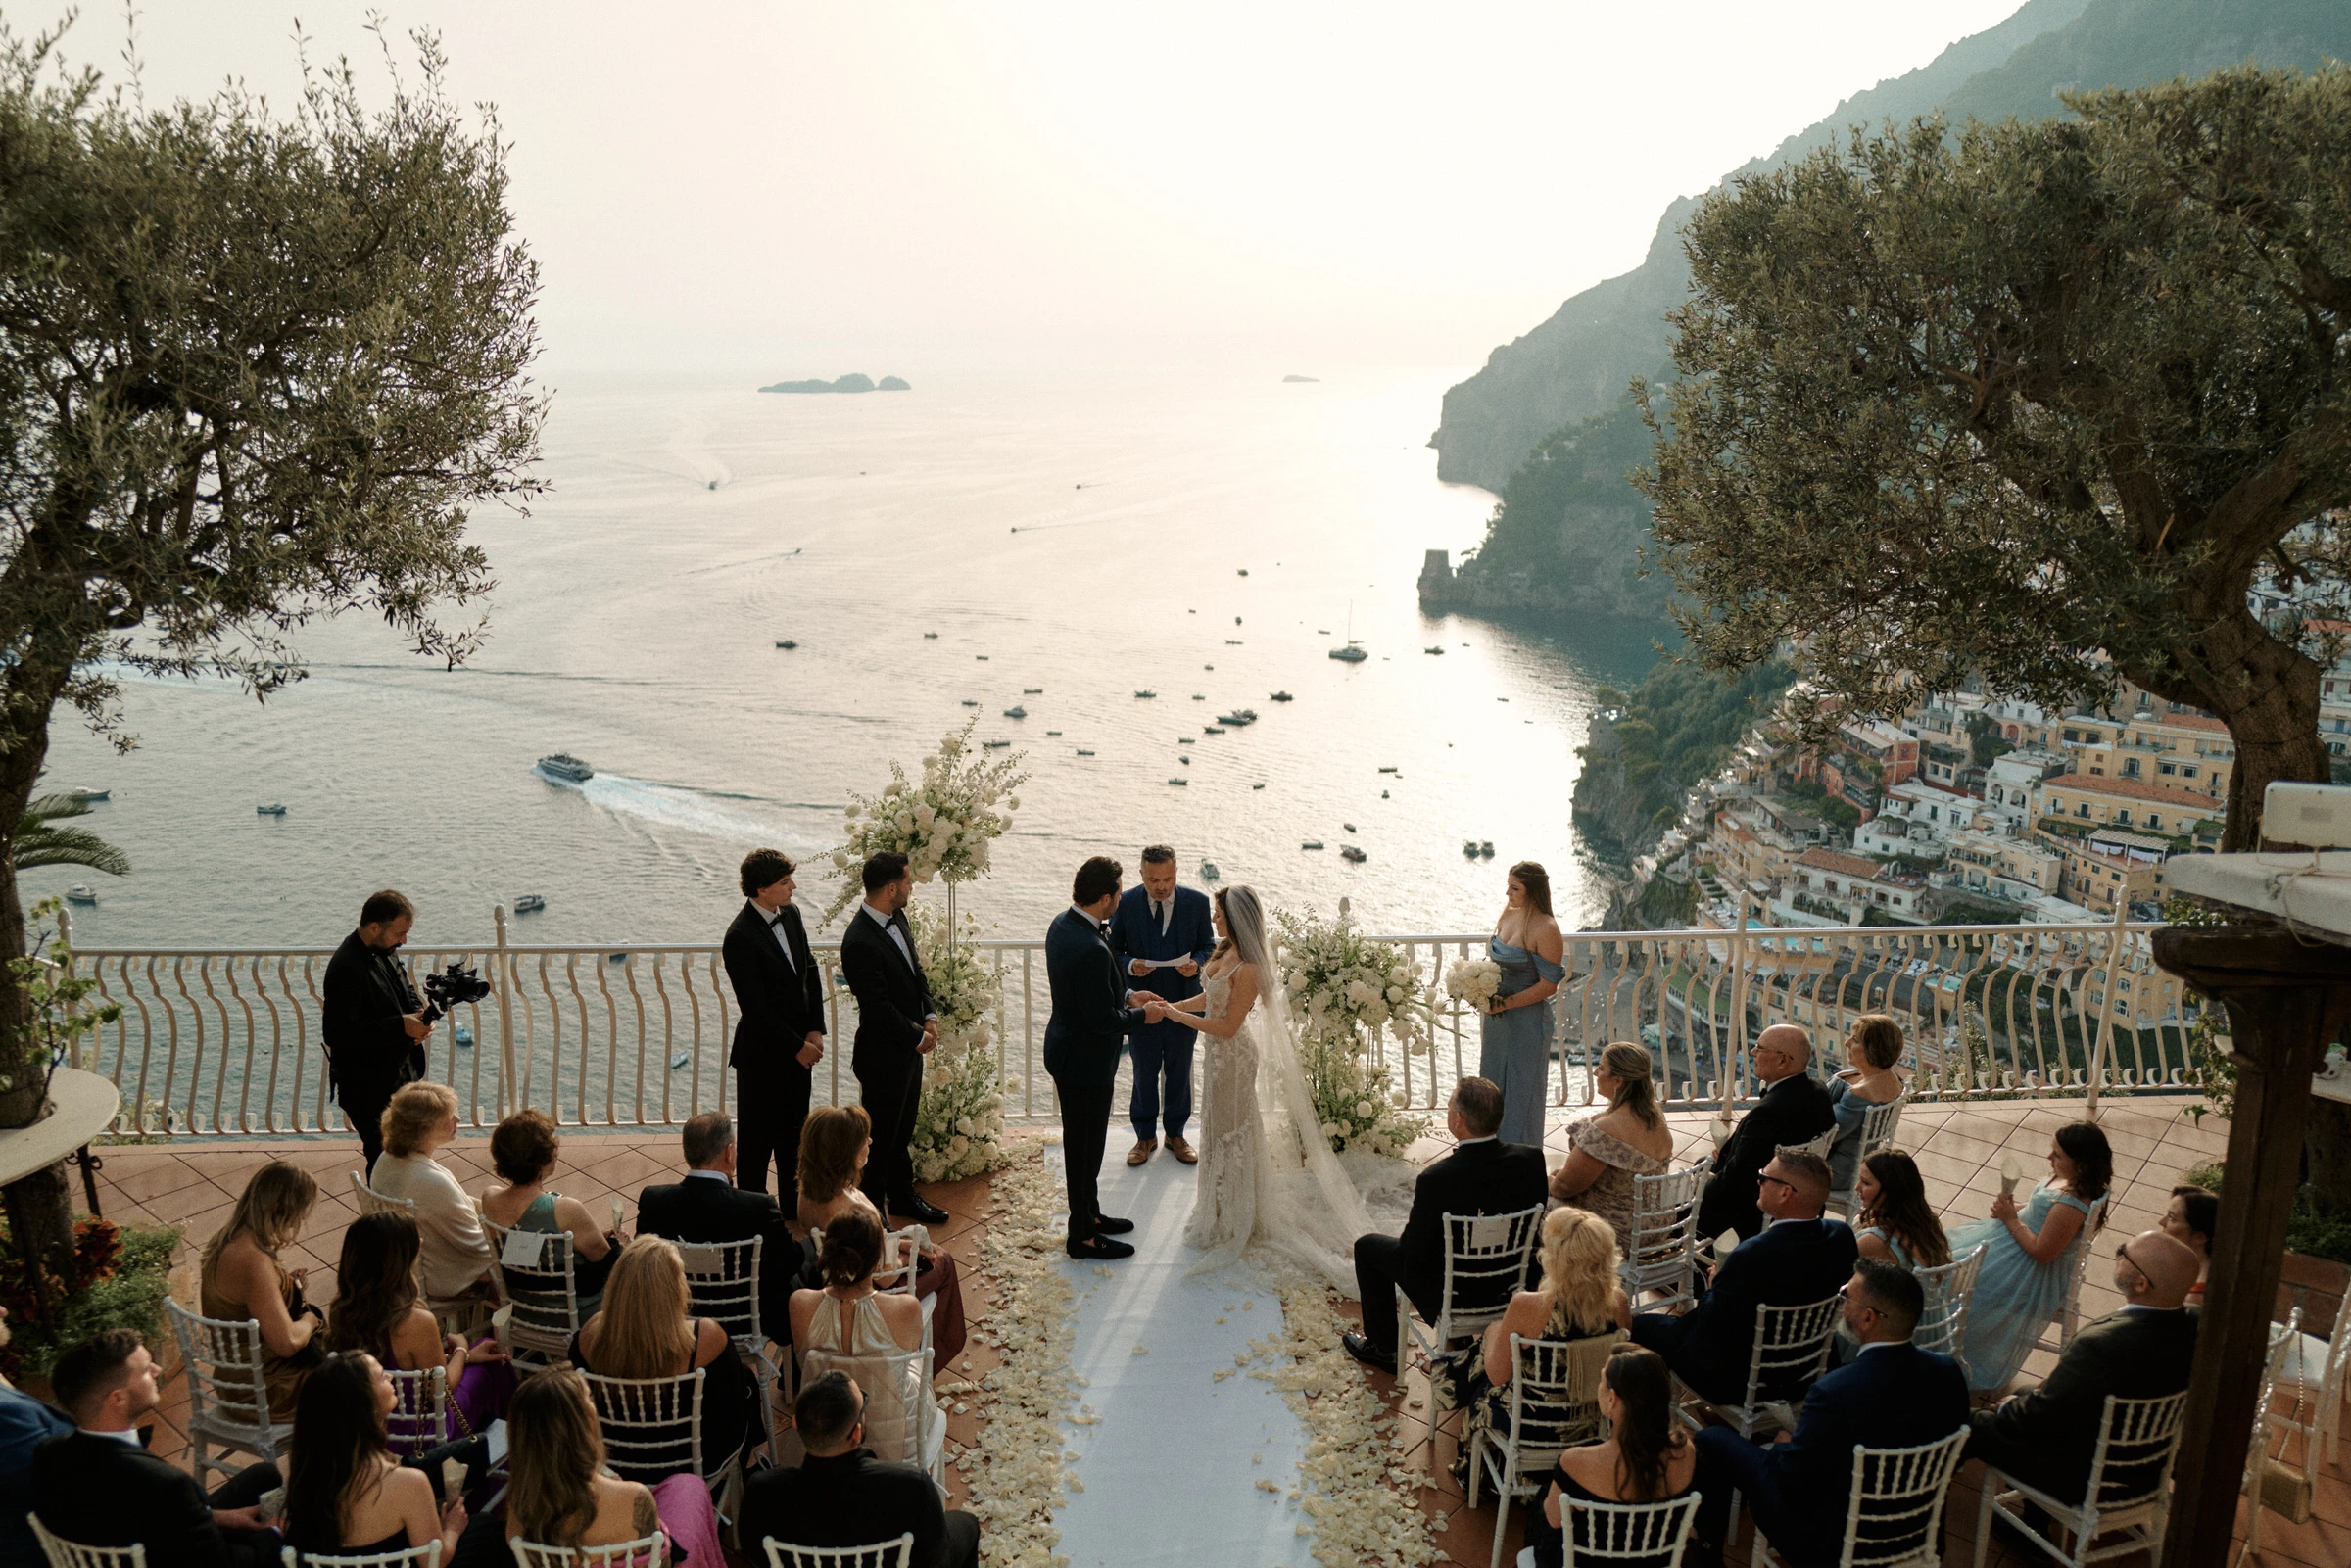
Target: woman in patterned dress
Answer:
pixel 1606 1151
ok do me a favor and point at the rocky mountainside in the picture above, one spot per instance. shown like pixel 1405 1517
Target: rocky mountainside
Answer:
pixel 1576 364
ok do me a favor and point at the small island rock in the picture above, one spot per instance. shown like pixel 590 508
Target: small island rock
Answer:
pixel 892 384
pixel 854 381
pixel 1286 380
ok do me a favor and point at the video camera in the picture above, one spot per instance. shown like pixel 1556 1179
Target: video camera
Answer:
pixel 453 987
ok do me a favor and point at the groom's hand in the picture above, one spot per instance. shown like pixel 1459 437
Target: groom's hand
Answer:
pixel 1154 1010
pixel 1142 998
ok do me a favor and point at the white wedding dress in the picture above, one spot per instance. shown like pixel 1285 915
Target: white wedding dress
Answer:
pixel 1268 1181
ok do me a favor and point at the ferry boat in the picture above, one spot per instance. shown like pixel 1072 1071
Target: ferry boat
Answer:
pixel 564 765
pixel 81 893
pixel 526 903
pixel 1350 853
pixel 274 809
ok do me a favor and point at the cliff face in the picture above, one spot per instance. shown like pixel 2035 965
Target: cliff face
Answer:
pixel 1576 364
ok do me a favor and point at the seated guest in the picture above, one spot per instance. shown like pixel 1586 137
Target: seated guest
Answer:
pixel 1629 1139
pixel 345 1493
pixel 1798 1258
pixel 522 1151
pixel 377 1311
pixel 96 1486
pixel 1647 1457
pixel 841 1495
pixel 1892 1396
pixel 1898 1224
pixel 2032 1255
pixel 834 1144
pixel 25 1423
pixel 707 1206
pixel 1794 1108
pixel 850 1325
pixel 2191 1219
pixel 241 1277
pixel 647 1329
pixel 1482 1175
pixel 456 1255
pixel 559 1493
pixel 1866 1082
pixel 1577 1297
pixel 2047 1436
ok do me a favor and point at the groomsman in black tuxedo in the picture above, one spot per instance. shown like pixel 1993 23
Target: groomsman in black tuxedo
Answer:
pixel 897 1029
pixel 779 1024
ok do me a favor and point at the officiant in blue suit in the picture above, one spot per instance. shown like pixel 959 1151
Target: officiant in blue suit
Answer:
pixel 1159 921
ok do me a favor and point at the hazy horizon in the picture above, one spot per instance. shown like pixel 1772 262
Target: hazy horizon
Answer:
pixel 782 191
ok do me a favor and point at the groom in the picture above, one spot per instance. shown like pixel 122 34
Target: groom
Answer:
pixel 1093 1012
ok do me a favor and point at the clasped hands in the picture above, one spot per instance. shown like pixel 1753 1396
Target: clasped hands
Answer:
pixel 1155 1008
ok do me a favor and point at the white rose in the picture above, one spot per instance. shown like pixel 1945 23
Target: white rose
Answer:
pixel 1330 1129
pixel 1366 1109
pixel 1395 993
pixel 1014 802
pixel 958 1146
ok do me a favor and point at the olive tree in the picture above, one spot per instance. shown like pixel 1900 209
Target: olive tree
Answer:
pixel 254 368
pixel 2038 401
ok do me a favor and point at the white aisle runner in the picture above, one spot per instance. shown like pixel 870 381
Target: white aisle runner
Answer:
pixel 1167 1465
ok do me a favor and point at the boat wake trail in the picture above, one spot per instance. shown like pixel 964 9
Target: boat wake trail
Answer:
pixel 695 811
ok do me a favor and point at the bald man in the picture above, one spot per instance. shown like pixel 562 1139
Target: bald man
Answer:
pixel 2046 1437
pixel 1795 1107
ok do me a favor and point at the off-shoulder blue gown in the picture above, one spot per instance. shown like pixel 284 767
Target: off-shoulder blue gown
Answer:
pixel 1514 1047
pixel 2015 1297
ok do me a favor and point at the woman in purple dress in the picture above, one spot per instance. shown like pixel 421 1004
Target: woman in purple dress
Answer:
pixel 378 1311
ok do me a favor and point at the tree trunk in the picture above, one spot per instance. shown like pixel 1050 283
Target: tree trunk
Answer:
pixel 40 1219
pixel 2327 1142
pixel 2266 691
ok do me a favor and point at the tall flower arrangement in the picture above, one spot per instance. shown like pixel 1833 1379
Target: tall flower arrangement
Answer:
pixel 942 824
pixel 1344 988
pixel 959 1128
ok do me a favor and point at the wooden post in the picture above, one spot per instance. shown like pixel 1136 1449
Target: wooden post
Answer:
pixel 2287 996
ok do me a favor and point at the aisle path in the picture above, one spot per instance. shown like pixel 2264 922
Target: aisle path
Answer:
pixel 1167 1466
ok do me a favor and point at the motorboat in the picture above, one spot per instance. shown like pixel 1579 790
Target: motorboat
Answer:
pixel 1212 729
pixel 1016 711
pixel 1470 848
pixel 680 1060
pixel 528 903
pixel 1281 696
pixel 274 809
pixel 85 796
pixel 1432 650
pixel 1387 769
pixel 931 636
pixel 1349 653
pixel 1052 732
pixel 785 642
pixel 971 702
pixel 463 1036
pixel 1186 761
pixel 1233 642
pixel 1185 741
pixel 981 657
pixel 1349 827
pixel 1383 794
pixel 616 958
pixel 564 765
pixel 1199 696
pixel 993 745
pixel 1146 693
pixel 1485 848
pixel 1083 752
pixel 1243 572
pixel 1348 852
pixel 81 893
pixel 1311 844
pixel 1180 783
pixel 1208 872
pixel 1257 786
pixel 1033 691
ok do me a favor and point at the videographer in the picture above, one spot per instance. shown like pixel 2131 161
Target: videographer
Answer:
pixel 374 1024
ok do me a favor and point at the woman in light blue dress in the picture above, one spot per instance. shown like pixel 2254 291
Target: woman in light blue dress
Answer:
pixel 2032 1256
pixel 1870 1081
pixel 1515 1048
pixel 1897 1223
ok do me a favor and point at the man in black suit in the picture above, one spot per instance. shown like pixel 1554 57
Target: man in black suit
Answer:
pixel 1483 1175
pixel 778 1023
pixel 1798 1257
pixel 1093 1012
pixel 709 1206
pixel 897 1028
pixel 98 1487
pixel 1892 1396
pixel 1794 1108
pixel 371 1019
pixel 2047 1436
pixel 841 1495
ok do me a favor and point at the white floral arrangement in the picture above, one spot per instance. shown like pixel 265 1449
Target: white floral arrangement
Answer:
pixel 1343 989
pixel 1476 981
pixel 959 1128
pixel 942 824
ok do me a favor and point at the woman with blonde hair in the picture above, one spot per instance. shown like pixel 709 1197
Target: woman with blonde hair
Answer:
pixel 241 1278
pixel 1606 1151
pixel 835 1143
pixel 1869 1080
pixel 647 1330
pixel 1578 1297
pixel 455 1257
pixel 848 1325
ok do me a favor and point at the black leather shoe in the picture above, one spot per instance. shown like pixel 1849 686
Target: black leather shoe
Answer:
pixel 1363 1351
pixel 1101 1249
pixel 917 1210
pixel 1105 1225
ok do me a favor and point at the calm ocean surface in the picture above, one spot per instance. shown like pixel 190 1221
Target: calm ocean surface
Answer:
pixel 635 625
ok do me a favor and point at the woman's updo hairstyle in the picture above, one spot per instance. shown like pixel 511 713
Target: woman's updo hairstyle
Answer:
pixel 853 1247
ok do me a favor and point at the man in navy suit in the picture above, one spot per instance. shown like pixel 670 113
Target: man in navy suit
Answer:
pixel 1160 920
pixel 1093 1012
pixel 1798 1257
pixel 1892 1396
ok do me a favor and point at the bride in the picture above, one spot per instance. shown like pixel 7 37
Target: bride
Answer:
pixel 1267 1177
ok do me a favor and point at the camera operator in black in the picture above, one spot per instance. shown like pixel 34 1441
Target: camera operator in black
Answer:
pixel 375 1024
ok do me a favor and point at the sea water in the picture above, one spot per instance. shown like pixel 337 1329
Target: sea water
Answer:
pixel 1210 538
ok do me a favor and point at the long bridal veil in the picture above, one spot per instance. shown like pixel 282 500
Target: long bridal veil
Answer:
pixel 1308 1210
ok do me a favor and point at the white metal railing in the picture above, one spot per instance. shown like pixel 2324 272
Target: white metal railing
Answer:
pixel 226 1041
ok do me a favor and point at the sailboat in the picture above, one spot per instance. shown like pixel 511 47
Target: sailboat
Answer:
pixel 1347 650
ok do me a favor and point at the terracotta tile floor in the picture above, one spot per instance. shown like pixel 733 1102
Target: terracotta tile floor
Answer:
pixel 1959 1148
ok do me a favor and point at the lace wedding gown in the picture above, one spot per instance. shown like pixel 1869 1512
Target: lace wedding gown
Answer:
pixel 1268 1182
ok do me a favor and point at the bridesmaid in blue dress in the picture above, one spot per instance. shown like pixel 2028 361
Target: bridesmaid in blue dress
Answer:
pixel 2034 1252
pixel 1515 1048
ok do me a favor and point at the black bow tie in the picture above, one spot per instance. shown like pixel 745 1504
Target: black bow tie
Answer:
pixel 777 919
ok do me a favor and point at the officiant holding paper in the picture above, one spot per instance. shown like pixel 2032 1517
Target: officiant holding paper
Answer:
pixel 1162 934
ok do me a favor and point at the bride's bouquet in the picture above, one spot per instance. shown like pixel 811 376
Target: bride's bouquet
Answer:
pixel 942 824
pixel 1474 981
